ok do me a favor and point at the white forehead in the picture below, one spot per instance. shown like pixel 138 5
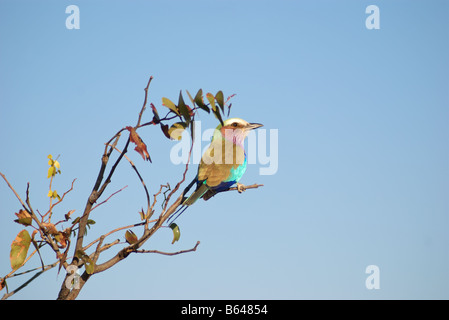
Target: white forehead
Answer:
pixel 237 120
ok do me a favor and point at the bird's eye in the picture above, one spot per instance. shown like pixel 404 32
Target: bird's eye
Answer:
pixel 234 124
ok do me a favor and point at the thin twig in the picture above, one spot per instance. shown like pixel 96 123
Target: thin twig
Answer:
pixel 56 203
pixel 48 267
pixel 169 253
pixel 12 189
pixel 108 198
pixel 23 263
pixel 115 230
pixel 144 102
pixel 141 180
pixel 156 194
pixel 164 215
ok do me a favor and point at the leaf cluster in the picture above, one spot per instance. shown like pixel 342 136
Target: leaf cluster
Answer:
pixel 185 113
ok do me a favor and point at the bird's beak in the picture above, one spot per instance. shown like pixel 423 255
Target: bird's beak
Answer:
pixel 251 126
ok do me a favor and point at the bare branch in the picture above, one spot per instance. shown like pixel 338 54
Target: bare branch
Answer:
pixel 115 230
pixel 12 189
pixel 148 214
pixel 144 102
pixel 56 203
pixel 108 198
pixel 170 253
pixel 122 254
pixel 158 193
pixel 48 267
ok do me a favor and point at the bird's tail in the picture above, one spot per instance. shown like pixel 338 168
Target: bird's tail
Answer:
pixel 175 215
pixel 198 193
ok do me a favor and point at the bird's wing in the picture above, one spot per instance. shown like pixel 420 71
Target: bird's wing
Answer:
pixel 220 162
pixel 220 167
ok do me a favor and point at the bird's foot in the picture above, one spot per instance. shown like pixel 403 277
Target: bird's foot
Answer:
pixel 240 187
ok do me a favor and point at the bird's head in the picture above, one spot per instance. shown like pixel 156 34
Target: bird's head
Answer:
pixel 235 129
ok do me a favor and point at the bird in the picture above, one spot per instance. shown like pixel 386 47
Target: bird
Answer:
pixel 222 164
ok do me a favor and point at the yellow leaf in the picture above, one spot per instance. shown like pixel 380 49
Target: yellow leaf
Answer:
pixel 176 130
pixel 51 172
pixel 50 193
pixel 169 104
pixel 57 165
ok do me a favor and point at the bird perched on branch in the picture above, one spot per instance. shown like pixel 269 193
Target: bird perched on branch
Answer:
pixel 223 163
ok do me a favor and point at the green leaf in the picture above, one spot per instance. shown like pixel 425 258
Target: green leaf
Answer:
pixel 19 249
pixel 199 101
pixel 176 130
pixel 77 219
pixel 218 115
pixel 24 221
pixel 130 237
pixel 220 99
pixel 176 232
pixel 169 104
pixel 90 267
pixel 211 99
pixel 164 129
pixel 88 262
pixel 183 108
pixel 215 110
pixel 88 223
pixel 190 97
pixel 24 218
pixel 80 254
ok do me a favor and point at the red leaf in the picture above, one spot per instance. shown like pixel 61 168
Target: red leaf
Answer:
pixel 156 118
pixel 191 112
pixel 141 147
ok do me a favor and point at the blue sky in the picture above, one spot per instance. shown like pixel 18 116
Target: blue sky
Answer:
pixel 362 116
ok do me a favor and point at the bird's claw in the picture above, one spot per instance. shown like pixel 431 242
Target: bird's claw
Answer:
pixel 240 187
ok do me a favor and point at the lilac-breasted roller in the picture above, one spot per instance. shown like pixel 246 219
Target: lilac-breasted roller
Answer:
pixel 223 163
